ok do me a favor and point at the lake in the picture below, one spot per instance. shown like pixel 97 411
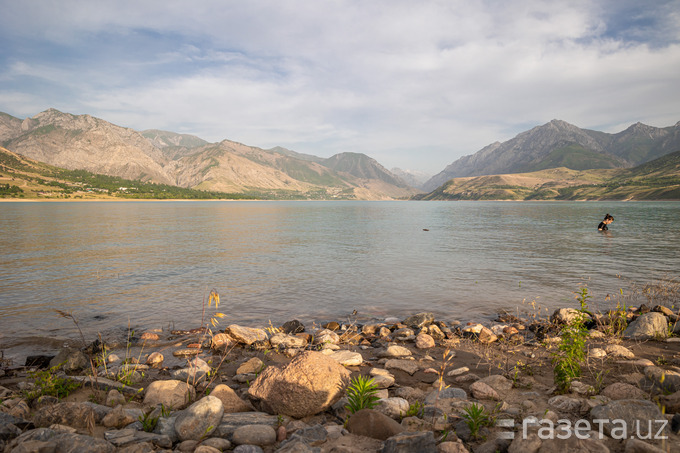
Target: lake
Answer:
pixel 150 264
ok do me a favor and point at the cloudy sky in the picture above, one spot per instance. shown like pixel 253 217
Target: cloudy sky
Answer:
pixel 412 84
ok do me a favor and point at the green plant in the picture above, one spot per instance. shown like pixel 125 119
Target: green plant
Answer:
pixel 361 394
pixel 48 382
pixel 476 417
pixel 148 422
pixel 571 351
pixel 414 410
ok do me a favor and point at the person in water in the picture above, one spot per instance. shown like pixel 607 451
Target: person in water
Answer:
pixel 603 225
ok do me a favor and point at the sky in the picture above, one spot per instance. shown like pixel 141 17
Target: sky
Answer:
pixel 414 85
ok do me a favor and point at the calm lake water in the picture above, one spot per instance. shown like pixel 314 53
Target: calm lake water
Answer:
pixel 151 263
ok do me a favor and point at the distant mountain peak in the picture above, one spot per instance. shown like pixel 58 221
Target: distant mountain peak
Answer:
pixel 561 144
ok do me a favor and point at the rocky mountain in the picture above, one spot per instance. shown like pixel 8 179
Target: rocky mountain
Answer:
pixel 658 179
pixel 560 144
pixel 86 143
pixel 413 178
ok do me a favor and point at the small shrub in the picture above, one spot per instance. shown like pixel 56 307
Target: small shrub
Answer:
pixel 361 394
pixel 47 382
pixel 476 417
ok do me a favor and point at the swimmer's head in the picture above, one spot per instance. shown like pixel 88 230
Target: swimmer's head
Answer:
pixel 608 219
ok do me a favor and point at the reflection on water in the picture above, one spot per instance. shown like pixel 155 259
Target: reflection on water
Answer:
pixel 152 262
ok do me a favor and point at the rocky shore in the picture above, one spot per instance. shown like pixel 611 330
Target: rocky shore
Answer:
pixel 440 388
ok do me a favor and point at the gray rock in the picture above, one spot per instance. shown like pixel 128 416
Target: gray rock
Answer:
pixel 394 407
pixel 260 435
pixel 567 316
pixel 497 382
pixel 326 336
pixel 124 437
pixel 312 435
pixel 284 341
pixel 482 391
pixel 419 320
pixel 371 423
pixel 70 360
pixel 409 366
pixel 567 404
pixel 218 443
pixel 622 391
pixel 638 416
pixel 647 326
pixel 666 380
pixel 77 415
pixel 446 393
pixel 422 442
pixel 196 372
pixel 230 422
pixel 248 449
pixel 199 419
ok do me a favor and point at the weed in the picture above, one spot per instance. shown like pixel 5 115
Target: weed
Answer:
pixel 47 382
pixel 361 394
pixel 571 351
pixel 148 422
pixel 414 410
pixel 476 417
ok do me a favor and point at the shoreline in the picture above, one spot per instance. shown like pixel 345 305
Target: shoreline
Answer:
pixel 505 366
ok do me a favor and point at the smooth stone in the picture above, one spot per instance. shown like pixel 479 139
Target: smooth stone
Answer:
pixel 259 435
pixel 424 341
pixel 393 407
pixel 251 366
pixel 616 350
pixel 347 358
pixel 172 394
pixel 371 423
pixel 636 414
pixel 231 402
pixel 422 442
pixel 395 351
pixel 409 366
pixel 326 336
pixel 282 340
pixel 200 419
pixel 483 391
pixel 246 335
pixel 652 325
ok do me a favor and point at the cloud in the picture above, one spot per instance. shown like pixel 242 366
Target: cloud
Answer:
pixel 412 85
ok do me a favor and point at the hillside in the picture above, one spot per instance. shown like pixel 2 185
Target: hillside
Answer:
pixel 82 142
pixel 655 180
pixel 24 179
pixel 560 144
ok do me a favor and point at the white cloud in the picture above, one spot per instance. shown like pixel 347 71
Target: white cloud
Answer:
pixel 400 81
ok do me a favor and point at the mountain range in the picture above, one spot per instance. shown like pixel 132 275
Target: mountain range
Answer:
pixel 560 144
pixel 83 142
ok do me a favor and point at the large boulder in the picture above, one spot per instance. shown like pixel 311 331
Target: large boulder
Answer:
pixel 648 326
pixel 309 384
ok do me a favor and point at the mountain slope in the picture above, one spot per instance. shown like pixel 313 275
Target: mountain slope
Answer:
pixel 558 143
pixel 655 180
pixel 88 143
pixel 83 142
